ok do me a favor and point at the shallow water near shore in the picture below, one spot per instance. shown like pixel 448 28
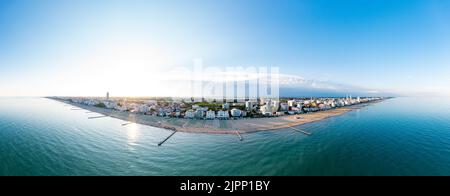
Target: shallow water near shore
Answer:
pixel 401 136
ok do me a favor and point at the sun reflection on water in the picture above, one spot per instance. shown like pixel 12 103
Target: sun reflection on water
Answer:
pixel 132 134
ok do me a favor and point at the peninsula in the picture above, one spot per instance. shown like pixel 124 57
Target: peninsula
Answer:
pixel 219 118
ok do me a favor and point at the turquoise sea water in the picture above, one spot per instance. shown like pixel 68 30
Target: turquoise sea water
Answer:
pixel 401 136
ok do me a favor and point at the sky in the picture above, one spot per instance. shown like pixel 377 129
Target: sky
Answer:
pixel 88 47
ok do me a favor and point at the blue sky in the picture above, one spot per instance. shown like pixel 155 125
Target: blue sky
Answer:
pixel 68 47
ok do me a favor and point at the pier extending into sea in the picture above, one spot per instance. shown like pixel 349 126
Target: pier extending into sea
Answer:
pixel 301 131
pixel 162 142
pixel 239 135
pixel 93 117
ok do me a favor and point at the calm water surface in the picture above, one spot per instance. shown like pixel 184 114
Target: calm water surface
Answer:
pixel 401 136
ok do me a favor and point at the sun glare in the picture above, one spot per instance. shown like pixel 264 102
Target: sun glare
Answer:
pixel 132 133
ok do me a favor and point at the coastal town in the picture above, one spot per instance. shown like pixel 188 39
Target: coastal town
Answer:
pixel 204 110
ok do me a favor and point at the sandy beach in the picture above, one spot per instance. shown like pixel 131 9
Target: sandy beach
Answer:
pixel 243 125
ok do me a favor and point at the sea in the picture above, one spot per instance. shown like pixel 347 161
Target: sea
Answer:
pixel 399 136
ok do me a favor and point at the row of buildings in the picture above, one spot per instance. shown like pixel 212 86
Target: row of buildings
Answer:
pixel 210 114
pixel 260 108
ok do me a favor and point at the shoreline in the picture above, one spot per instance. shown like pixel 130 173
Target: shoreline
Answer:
pixel 216 126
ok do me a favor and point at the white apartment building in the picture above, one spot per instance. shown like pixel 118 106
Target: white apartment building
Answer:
pixel 189 114
pixel 292 103
pixel 226 106
pixel 210 114
pixel 284 107
pixel 236 112
pixel 223 114
pixel 248 105
pixel 199 114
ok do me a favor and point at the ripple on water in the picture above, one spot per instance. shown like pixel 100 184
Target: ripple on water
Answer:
pixel 43 137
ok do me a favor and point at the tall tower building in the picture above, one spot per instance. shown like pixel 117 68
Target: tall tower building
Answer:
pixel 107 95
